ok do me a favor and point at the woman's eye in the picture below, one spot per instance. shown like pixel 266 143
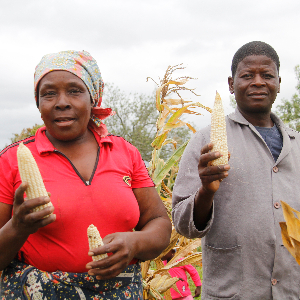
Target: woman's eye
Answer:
pixel 74 91
pixel 50 93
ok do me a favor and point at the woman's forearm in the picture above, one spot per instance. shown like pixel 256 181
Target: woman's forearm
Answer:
pixel 10 243
pixel 153 238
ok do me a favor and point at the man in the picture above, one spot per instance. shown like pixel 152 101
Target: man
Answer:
pixel 236 207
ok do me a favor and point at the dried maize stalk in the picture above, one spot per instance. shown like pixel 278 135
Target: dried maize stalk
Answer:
pixel 30 173
pixel 95 241
pixel 218 135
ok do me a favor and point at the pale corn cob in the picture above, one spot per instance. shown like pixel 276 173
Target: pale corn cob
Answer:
pixel 30 173
pixel 218 135
pixel 167 284
pixel 95 241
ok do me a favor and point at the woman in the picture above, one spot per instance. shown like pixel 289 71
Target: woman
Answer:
pixel 93 178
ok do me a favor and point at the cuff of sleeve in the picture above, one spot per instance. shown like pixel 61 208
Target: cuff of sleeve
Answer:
pixel 183 218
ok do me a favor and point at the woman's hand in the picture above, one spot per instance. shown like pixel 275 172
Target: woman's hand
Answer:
pixel 122 245
pixel 24 220
pixel 150 238
pixel 211 176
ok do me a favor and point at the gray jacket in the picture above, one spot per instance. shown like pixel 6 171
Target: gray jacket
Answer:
pixel 243 254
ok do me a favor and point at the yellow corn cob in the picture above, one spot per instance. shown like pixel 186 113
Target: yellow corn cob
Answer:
pixel 30 173
pixel 95 241
pixel 218 135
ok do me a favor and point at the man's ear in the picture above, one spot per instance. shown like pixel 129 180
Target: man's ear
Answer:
pixel 230 84
pixel 279 85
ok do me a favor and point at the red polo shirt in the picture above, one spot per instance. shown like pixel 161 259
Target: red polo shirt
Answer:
pixel 107 200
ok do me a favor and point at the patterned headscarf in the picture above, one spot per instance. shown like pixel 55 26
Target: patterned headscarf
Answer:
pixel 83 65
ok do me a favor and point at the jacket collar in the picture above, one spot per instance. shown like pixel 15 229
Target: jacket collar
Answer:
pixel 237 117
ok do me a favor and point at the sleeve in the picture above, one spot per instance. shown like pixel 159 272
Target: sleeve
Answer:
pixel 140 175
pixel 186 186
pixel 194 274
pixel 7 184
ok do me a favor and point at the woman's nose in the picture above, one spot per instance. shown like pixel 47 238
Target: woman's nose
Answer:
pixel 62 102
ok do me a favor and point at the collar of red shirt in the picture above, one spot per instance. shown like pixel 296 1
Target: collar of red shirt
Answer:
pixel 43 144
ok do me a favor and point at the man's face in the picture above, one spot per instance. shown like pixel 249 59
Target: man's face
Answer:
pixel 255 84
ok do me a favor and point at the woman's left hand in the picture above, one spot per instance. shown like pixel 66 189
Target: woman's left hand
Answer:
pixel 121 245
pixel 150 238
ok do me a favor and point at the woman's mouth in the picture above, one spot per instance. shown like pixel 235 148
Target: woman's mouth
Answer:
pixel 64 121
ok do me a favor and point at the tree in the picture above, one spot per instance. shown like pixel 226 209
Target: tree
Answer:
pixel 26 132
pixel 289 111
pixel 135 120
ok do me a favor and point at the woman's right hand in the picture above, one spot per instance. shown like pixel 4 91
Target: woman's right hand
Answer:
pixel 211 176
pixel 24 220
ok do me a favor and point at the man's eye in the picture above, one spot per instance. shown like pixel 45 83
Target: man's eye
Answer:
pixel 247 76
pixel 268 76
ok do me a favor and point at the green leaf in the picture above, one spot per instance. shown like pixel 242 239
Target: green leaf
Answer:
pixel 169 164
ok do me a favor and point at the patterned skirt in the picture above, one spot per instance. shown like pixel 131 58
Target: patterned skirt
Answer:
pixel 20 281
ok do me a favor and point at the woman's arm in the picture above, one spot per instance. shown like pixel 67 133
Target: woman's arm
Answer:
pixel 15 230
pixel 151 237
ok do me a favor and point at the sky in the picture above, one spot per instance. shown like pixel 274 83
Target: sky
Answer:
pixel 135 39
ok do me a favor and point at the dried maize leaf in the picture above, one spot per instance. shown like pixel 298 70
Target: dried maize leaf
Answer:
pixel 158 262
pixel 218 134
pixel 159 106
pixel 286 239
pixel 173 241
pixel 190 127
pixel 161 282
pixel 162 118
pixel 292 222
pixel 172 125
pixel 176 101
pixel 150 293
pixel 174 287
pixel 170 141
pixel 167 295
pixel 191 259
pixel 159 140
pixel 153 283
pixel 145 267
pixel 186 250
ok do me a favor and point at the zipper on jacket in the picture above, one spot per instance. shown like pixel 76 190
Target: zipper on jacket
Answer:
pixel 86 182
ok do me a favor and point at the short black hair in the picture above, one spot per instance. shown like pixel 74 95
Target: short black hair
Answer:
pixel 254 48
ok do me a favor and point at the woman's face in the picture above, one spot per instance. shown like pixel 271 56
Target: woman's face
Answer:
pixel 65 105
pixel 255 84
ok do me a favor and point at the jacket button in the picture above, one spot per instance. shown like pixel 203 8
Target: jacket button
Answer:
pixel 277 205
pixel 275 169
pixel 274 281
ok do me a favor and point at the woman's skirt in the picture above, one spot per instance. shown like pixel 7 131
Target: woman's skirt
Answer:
pixel 20 281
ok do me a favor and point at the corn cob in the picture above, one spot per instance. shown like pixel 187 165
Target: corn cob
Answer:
pixel 218 135
pixel 30 173
pixel 95 241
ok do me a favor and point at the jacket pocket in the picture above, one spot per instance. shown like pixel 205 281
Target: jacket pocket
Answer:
pixel 222 272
